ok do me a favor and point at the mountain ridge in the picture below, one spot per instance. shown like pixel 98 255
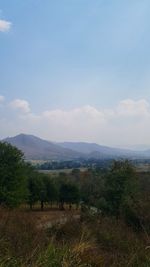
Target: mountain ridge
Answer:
pixel 35 148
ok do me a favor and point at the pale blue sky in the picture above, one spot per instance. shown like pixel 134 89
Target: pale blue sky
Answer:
pixel 67 54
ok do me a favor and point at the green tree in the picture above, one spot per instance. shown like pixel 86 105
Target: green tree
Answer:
pixel 91 185
pixel 42 189
pixel 13 188
pixel 48 191
pixel 120 188
pixel 51 190
pixel 68 193
pixel 34 187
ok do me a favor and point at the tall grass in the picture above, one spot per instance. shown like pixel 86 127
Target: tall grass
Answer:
pixel 95 242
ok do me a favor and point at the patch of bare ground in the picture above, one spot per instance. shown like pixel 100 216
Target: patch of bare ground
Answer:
pixel 50 217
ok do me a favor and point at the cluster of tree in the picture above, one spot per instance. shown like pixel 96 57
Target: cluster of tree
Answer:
pixel 72 164
pixel 20 183
pixel 120 192
pixel 43 189
pixel 116 191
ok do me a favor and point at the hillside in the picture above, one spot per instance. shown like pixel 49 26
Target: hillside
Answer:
pixel 36 148
pixel 93 150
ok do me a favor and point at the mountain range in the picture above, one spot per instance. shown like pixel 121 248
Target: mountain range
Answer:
pixel 35 148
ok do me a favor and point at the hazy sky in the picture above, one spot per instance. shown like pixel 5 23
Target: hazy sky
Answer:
pixel 76 70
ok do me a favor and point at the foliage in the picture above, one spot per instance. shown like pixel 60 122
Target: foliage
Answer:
pixel 120 184
pixel 34 188
pixel 68 193
pixel 91 186
pixel 12 176
pixel 41 188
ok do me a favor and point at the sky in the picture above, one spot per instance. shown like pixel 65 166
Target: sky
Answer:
pixel 76 70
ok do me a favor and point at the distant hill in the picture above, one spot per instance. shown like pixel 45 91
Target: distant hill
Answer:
pixel 139 147
pixel 94 150
pixel 36 148
pixel 82 147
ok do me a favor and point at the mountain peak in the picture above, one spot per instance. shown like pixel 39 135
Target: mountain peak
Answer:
pixel 36 148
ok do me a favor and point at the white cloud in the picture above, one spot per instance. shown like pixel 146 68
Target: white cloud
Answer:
pixel 118 125
pixel 107 126
pixel 84 114
pixel 133 108
pixel 5 25
pixel 21 105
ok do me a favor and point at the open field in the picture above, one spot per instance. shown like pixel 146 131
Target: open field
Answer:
pixel 56 172
pixel 143 167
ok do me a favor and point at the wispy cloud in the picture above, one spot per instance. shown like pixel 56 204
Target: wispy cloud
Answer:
pixel 21 105
pixel 5 25
pixel 109 126
pixel 130 107
pixel 2 98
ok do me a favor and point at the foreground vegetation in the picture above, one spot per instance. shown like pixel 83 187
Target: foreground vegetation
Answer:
pixel 114 228
pixel 95 241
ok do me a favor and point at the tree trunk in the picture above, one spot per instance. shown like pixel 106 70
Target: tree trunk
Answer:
pixel 31 206
pixel 61 205
pixel 42 205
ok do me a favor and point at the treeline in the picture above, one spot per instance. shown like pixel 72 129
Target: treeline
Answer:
pixel 42 188
pixel 73 164
pixel 84 163
pixel 20 183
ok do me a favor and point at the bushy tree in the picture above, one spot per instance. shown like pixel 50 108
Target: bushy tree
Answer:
pixel 13 188
pixel 121 188
pixel 41 189
pixel 34 188
pixel 91 186
pixel 69 194
pixel 51 190
pixel 48 192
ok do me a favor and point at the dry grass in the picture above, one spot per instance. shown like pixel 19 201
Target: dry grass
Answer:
pixel 101 242
pixel 19 238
